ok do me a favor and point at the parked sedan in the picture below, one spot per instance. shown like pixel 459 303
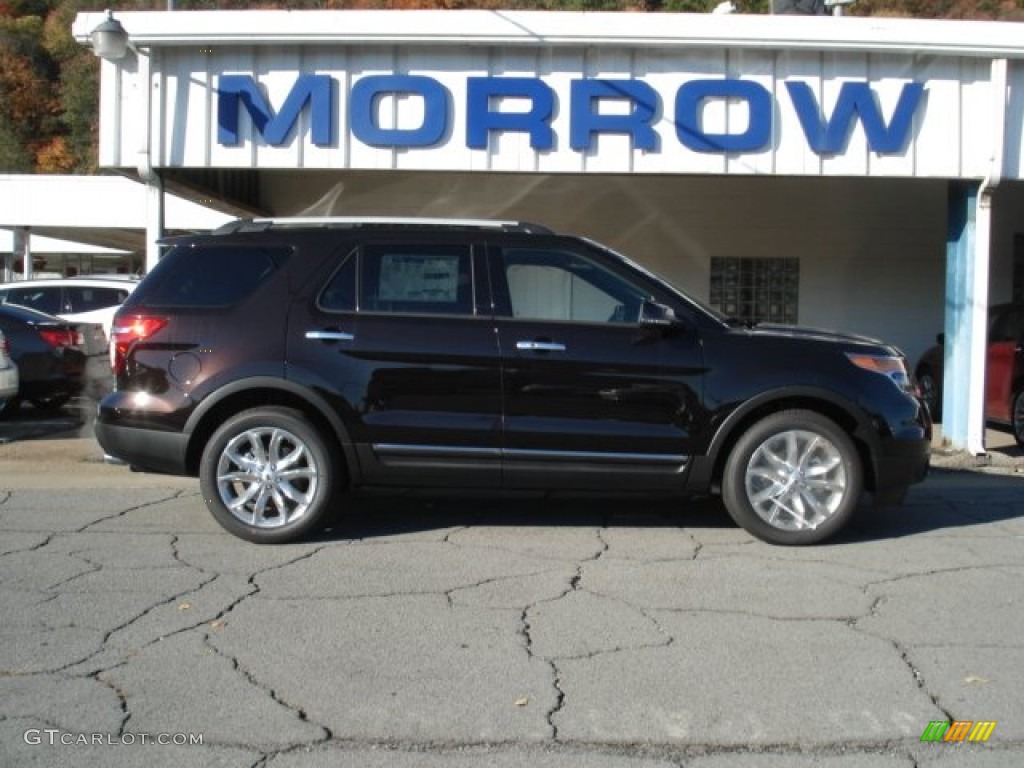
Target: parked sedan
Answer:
pixel 1004 370
pixel 8 374
pixel 88 299
pixel 49 354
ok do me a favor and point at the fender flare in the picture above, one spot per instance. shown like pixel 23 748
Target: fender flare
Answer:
pixel 704 466
pixel 290 387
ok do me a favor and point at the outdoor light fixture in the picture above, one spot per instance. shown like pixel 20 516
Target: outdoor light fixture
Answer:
pixel 109 39
pixel 810 7
pixel 836 6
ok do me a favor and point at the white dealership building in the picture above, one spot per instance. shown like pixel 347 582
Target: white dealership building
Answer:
pixel 854 173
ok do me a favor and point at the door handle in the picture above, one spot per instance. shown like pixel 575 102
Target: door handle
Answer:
pixel 540 346
pixel 330 336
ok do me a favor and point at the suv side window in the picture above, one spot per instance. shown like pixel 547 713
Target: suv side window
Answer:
pixel 340 293
pixel 41 298
pixel 212 275
pixel 417 279
pixel 563 285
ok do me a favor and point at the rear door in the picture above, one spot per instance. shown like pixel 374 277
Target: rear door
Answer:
pixel 593 398
pixel 400 338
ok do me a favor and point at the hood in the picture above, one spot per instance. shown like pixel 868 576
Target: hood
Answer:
pixel 814 334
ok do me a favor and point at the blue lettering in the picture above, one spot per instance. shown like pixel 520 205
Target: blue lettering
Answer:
pixel 584 121
pixel 825 134
pixel 367 92
pixel 690 102
pixel 536 121
pixel 241 90
pixel 829 136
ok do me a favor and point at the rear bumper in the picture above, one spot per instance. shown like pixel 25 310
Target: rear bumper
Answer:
pixel 8 382
pixel 144 448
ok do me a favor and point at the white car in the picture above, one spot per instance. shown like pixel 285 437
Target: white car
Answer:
pixel 79 299
pixel 8 374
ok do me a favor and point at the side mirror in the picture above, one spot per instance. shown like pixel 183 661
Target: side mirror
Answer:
pixel 940 339
pixel 655 314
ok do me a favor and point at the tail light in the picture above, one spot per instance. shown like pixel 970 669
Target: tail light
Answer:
pixel 127 331
pixel 58 337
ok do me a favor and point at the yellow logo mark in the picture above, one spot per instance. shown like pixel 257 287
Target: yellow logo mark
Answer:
pixel 982 730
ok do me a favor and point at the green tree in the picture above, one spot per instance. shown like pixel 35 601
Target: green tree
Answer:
pixel 77 87
pixel 14 157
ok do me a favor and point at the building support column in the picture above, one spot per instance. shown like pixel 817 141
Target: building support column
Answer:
pixel 147 147
pixel 7 267
pixel 23 250
pixel 154 218
pixel 966 329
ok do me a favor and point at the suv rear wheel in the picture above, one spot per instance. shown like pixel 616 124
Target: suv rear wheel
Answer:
pixel 268 476
pixel 794 477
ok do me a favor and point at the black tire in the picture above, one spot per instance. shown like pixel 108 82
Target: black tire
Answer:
pixel 1017 418
pixel 800 457
pixel 931 393
pixel 9 406
pixel 271 509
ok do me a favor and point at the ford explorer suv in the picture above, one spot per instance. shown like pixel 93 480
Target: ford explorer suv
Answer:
pixel 288 362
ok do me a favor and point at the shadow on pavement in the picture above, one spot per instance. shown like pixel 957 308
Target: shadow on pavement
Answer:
pixel 372 515
pixel 74 419
pixel 948 500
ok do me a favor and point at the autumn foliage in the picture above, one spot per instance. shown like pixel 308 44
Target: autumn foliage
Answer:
pixel 49 90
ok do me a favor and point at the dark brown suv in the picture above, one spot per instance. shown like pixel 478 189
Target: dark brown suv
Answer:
pixel 288 361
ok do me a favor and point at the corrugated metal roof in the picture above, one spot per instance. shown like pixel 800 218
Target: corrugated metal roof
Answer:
pixel 551 28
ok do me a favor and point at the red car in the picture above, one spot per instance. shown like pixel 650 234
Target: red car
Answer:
pixel 1004 371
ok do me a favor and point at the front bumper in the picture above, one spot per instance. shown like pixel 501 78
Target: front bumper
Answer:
pixel 903 456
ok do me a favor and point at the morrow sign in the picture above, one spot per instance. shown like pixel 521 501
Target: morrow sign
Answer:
pixel 641 108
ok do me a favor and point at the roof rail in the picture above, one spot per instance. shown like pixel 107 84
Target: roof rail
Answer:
pixel 343 222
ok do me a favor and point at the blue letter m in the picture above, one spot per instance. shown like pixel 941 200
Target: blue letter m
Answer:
pixel 235 91
pixel 829 136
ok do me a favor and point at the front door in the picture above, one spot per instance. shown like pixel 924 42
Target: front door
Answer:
pixel 592 397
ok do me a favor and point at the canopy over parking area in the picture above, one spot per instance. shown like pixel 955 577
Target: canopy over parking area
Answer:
pixel 87 214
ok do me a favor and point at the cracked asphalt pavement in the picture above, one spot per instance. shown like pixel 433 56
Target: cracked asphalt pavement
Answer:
pixel 467 631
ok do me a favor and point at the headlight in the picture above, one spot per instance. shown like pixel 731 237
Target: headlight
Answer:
pixel 887 365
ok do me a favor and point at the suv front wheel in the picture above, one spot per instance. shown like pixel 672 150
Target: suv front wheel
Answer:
pixel 794 477
pixel 268 475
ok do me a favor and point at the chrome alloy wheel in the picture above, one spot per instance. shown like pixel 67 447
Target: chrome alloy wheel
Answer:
pixel 796 480
pixel 267 477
